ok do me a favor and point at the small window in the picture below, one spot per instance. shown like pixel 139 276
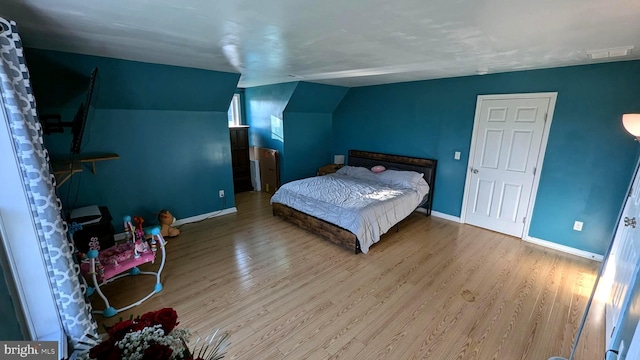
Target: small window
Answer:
pixel 235 118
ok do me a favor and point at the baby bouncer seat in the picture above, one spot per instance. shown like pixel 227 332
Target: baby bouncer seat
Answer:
pixel 102 266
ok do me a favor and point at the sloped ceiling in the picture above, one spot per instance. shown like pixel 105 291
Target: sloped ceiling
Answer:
pixel 338 42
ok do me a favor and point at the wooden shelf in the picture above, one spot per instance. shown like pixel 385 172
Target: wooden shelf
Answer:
pixel 63 169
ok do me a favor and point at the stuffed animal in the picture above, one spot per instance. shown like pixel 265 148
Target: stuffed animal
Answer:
pixel 166 219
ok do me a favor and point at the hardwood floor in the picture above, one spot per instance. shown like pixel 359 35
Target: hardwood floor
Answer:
pixel 434 290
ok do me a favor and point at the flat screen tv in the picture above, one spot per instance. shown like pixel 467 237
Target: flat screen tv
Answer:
pixel 80 119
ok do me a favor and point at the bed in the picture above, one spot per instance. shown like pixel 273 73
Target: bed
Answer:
pixel 316 216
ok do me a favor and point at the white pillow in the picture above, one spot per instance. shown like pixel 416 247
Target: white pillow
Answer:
pixel 358 173
pixel 403 179
pixel 344 170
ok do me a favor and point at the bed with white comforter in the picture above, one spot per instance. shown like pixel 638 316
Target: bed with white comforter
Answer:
pixel 356 199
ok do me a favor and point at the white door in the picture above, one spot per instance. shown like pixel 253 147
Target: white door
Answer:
pixel 621 265
pixel 507 138
pixel 634 347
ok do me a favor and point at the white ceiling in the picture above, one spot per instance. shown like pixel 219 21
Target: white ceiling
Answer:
pixel 340 42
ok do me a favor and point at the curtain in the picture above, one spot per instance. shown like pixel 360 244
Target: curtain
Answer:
pixel 26 132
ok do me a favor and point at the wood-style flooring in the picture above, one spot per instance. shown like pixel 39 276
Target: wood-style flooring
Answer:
pixel 434 290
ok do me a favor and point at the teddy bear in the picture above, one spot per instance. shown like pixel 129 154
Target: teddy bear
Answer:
pixel 166 219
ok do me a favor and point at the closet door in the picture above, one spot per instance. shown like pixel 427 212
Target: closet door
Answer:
pixel 622 264
pixel 240 158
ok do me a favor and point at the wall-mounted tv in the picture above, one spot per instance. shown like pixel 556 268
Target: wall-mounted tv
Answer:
pixel 80 120
pixel 54 124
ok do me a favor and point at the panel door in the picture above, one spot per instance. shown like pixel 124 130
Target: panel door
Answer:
pixel 508 136
pixel 240 162
pixel 623 260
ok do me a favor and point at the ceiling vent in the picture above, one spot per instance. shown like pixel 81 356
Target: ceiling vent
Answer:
pixel 609 53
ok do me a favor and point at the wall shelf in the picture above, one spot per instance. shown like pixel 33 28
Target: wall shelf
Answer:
pixel 63 169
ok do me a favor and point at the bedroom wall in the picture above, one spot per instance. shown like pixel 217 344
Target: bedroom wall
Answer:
pixel 589 159
pixel 168 124
pixel 264 106
pixel 304 112
pixel 315 98
pixel 308 144
pixel 308 122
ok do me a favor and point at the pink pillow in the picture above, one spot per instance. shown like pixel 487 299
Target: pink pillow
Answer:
pixel 378 169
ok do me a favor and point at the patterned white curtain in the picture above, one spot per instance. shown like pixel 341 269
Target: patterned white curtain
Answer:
pixel 15 87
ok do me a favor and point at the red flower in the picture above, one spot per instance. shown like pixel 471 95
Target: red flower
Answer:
pixel 149 316
pixel 167 318
pixel 142 323
pixel 119 330
pixel 157 352
pixel 106 350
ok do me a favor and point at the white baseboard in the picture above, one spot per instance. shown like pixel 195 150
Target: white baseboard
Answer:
pixel 440 215
pixel 564 248
pixel 205 216
pixel 192 219
pixel 545 243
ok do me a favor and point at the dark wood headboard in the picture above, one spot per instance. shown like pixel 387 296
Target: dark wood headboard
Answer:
pixel 398 162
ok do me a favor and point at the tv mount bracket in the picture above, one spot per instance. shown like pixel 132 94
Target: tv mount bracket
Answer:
pixel 53 123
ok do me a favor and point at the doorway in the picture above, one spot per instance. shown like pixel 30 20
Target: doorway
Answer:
pixel 509 139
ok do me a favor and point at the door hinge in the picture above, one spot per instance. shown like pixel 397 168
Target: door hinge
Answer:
pixel 524 219
pixel 534 170
pixel 545 117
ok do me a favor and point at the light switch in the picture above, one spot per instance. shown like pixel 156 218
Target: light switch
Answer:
pixel 456 155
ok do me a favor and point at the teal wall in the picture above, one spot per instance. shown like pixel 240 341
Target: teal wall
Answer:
pixel 589 159
pixel 315 98
pixel 168 124
pixel 308 123
pixel 9 326
pixel 305 111
pixel 308 144
pixel 128 84
pixel 176 160
pixel 262 105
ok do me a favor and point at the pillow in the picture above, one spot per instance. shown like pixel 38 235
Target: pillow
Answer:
pixel 357 172
pixel 378 169
pixel 404 179
pixel 344 170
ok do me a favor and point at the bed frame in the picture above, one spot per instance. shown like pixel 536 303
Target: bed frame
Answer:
pixel 341 236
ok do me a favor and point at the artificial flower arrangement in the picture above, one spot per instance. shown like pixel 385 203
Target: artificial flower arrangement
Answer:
pixel 154 336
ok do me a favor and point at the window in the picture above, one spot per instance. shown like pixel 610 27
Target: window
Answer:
pixel 235 117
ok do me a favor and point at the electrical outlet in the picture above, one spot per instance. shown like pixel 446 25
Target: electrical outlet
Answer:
pixel 221 193
pixel 577 226
pixel 456 155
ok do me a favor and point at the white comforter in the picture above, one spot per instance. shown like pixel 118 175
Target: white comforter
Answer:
pixel 365 207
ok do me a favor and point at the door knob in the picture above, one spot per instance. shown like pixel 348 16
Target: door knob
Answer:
pixel 475 171
pixel 630 221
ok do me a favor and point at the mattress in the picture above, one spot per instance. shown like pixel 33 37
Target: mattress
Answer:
pixel 365 207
